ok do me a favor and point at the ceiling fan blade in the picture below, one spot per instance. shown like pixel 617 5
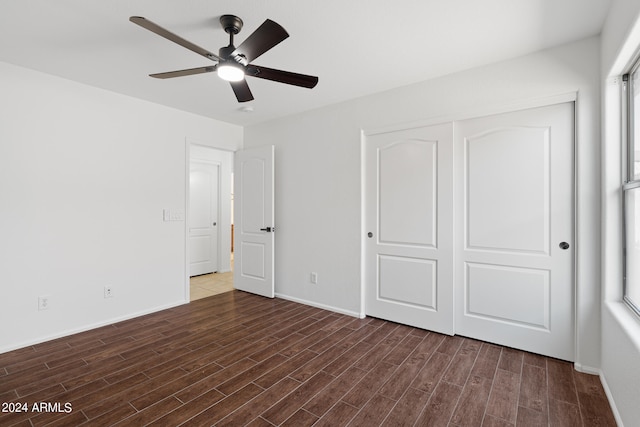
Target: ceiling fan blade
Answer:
pixel 242 91
pixel 155 28
pixel 261 40
pixel 287 77
pixel 187 72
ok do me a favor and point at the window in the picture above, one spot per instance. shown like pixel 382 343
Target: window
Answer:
pixel 631 192
pixel 633 140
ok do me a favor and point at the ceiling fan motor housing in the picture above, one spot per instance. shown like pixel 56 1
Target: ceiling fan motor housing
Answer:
pixel 226 54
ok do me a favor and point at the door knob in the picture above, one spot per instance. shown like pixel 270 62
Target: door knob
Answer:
pixel 267 229
pixel 215 223
pixel 369 234
pixel 564 246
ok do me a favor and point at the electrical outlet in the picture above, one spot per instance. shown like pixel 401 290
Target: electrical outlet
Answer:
pixel 108 292
pixel 43 303
pixel 314 278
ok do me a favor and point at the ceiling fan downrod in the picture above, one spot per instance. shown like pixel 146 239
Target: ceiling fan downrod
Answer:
pixel 232 26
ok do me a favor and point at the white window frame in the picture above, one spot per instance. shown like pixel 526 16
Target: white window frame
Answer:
pixel 630 182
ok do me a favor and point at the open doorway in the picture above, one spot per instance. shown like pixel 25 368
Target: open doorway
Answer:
pixel 210 221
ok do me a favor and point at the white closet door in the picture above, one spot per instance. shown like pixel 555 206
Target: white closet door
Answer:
pixel 409 223
pixel 515 230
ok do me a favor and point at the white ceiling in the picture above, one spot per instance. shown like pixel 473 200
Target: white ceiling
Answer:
pixel 355 47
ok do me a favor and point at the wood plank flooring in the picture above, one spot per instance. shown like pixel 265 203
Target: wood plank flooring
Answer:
pixel 237 359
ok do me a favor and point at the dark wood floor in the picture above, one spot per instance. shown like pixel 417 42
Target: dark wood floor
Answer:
pixel 238 359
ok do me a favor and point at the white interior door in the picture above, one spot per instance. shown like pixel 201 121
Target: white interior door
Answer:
pixel 515 239
pixel 254 221
pixel 409 226
pixel 203 217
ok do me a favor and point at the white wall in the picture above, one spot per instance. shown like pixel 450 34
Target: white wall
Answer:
pixel 620 328
pixel 84 177
pixel 318 172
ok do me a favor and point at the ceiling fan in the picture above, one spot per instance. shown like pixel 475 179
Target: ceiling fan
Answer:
pixel 234 63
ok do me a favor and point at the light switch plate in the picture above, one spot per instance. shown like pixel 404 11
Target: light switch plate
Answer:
pixel 177 215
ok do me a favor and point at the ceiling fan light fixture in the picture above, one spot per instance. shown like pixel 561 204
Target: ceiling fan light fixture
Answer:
pixel 231 71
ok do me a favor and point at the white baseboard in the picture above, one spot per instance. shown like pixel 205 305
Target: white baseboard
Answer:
pixel 318 305
pixel 612 402
pixel 89 327
pixel 607 391
pixel 586 369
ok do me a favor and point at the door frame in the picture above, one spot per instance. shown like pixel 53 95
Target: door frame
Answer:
pixel 224 221
pixel 486 110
